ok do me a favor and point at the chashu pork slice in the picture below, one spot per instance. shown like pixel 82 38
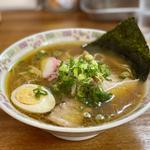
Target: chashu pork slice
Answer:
pixel 68 114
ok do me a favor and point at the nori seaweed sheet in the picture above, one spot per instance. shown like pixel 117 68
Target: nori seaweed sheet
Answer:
pixel 126 39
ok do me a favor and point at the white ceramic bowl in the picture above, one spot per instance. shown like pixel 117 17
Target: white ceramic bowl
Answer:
pixel 20 48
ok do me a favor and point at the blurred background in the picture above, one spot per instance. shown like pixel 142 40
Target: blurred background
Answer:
pixel 100 10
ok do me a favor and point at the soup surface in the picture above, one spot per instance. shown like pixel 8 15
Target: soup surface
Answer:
pixel 126 91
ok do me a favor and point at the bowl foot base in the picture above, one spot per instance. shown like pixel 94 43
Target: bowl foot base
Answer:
pixel 74 138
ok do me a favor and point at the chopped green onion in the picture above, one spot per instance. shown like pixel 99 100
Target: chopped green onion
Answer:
pixel 57 53
pixel 39 92
pixel 125 74
pixel 40 54
pixel 81 77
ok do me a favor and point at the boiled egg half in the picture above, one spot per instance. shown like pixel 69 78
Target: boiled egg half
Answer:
pixel 33 98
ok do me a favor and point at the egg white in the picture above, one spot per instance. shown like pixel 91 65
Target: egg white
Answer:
pixel 45 103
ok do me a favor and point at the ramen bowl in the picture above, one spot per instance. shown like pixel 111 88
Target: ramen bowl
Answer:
pixel 13 53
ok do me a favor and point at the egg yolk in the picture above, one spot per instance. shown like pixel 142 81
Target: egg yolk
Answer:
pixel 26 96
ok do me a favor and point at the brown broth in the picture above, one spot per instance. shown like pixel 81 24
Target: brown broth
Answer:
pixel 127 97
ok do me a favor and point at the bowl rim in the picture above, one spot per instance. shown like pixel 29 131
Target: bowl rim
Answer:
pixel 45 126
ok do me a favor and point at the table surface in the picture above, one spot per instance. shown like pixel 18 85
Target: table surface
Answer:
pixel 15 135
